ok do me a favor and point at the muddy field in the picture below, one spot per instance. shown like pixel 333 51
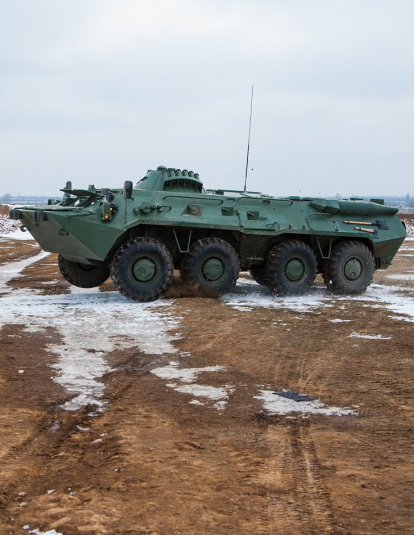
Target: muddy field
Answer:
pixel 177 417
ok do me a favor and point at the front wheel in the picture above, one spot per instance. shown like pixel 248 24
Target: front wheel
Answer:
pixel 142 269
pixel 83 275
pixel 212 265
pixel 291 268
pixel 350 268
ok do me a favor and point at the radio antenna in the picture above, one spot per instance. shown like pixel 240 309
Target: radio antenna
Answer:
pixel 248 142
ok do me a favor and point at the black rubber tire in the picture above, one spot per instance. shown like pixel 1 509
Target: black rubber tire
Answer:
pixel 350 268
pixel 148 279
pixel 212 265
pixel 83 275
pixel 258 274
pixel 290 268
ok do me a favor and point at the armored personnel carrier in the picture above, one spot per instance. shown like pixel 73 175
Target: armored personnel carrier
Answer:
pixel 139 234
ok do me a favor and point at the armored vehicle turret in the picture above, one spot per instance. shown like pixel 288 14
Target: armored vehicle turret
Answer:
pixel 139 234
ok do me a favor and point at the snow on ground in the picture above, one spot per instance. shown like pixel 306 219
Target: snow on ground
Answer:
pixel 38 532
pixel 396 299
pixel 17 234
pixel 13 270
pixel 208 392
pixel 88 326
pixel 273 403
pixel 410 231
pixel 402 276
pixel 11 229
pixel 369 336
pixel 248 294
pixel 185 375
pixel 189 375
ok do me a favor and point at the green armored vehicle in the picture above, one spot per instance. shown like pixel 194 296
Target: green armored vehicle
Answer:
pixel 138 235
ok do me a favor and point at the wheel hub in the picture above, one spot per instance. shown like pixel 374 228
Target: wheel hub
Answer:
pixel 353 269
pixel 213 269
pixel 143 269
pixel 294 270
pixel 86 267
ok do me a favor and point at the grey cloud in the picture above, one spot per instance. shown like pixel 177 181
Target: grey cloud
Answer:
pixel 100 91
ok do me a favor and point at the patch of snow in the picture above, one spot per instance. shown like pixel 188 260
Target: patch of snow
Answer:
pixel 410 232
pixel 274 404
pixel 89 325
pixel 49 532
pixel 189 375
pixel 337 320
pixel 21 236
pixel 10 229
pixel 195 402
pixel 76 290
pixel 32 329
pixel 245 296
pixel 21 371
pixel 14 269
pixel 247 282
pixel 203 391
pixel 401 276
pixel 370 336
pixel 7 226
pixel 186 375
pixel 390 297
pixel 51 491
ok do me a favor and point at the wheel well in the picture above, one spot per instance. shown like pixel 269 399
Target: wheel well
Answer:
pixel 364 241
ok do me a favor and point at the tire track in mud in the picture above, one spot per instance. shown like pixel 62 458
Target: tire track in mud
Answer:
pixel 292 481
pixel 308 480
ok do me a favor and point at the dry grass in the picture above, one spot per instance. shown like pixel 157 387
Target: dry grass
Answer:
pixel 4 210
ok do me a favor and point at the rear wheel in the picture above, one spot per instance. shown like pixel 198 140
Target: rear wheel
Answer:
pixel 212 265
pixel 291 268
pixel 142 269
pixel 83 275
pixel 350 268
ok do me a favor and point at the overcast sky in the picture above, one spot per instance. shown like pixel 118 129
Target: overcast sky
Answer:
pixel 98 91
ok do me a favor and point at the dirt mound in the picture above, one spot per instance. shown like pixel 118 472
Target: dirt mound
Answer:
pixel 7 225
pixel 4 210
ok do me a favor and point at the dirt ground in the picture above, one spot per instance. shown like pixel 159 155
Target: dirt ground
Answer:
pixel 154 463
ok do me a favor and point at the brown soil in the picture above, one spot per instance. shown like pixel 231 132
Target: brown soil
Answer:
pixel 152 463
